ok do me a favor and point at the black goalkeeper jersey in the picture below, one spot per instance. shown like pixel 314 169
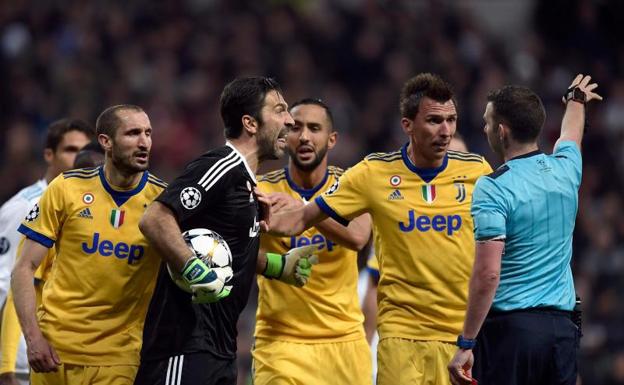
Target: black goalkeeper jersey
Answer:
pixel 214 192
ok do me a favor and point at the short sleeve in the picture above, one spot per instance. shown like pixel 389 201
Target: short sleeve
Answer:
pixel 568 155
pixel 488 210
pixel 347 198
pixel 487 169
pixel 11 215
pixel 202 186
pixel 44 220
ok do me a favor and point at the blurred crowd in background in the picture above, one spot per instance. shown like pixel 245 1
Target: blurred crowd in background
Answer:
pixel 74 58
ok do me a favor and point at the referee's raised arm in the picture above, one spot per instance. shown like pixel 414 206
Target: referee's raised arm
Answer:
pixel 576 97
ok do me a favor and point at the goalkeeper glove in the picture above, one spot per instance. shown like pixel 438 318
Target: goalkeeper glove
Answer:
pixel 294 267
pixel 207 285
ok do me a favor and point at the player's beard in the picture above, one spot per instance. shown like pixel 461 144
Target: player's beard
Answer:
pixel 313 164
pixel 267 145
pixel 124 164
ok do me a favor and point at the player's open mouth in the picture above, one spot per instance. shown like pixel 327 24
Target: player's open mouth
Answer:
pixel 281 139
pixel 143 156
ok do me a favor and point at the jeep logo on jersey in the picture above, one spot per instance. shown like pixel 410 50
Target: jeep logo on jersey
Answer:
pixel 120 250
pixel 316 239
pixel 190 197
pixel 424 223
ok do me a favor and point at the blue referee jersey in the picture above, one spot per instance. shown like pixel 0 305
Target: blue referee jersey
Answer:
pixel 532 201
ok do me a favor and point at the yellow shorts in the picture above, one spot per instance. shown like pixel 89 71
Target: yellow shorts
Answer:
pixel 290 363
pixel 403 361
pixel 68 374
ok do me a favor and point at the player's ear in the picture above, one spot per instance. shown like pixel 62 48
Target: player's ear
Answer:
pixel 48 155
pixel 407 125
pixel 331 141
pixel 250 124
pixel 105 141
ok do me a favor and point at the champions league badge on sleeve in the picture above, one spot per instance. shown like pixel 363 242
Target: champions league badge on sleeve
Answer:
pixel 33 214
pixel 333 188
pixel 190 197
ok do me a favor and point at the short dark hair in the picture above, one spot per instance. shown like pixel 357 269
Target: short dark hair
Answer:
pixel 520 109
pixel 58 129
pixel 423 85
pixel 88 155
pixel 316 102
pixel 108 122
pixel 244 96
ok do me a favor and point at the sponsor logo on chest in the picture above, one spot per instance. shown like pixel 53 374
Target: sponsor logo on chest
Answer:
pixel 106 248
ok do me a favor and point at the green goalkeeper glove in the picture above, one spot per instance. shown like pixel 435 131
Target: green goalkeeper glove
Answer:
pixel 294 267
pixel 207 285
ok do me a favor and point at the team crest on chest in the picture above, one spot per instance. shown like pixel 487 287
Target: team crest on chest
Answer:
pixel 461 191
pixel 429 193
pixel 117 218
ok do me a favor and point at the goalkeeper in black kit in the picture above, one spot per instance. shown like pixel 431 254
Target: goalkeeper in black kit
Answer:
pixel 192 340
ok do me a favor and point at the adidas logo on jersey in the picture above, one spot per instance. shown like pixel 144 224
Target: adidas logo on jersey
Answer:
pixel 395 195
pixel 85 213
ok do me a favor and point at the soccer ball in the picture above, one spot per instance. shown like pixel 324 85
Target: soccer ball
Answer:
pixel 212 249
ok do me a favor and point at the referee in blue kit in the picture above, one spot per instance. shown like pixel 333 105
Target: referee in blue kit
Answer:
pixel 521 293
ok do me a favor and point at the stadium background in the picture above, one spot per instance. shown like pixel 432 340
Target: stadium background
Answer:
pixel 74 58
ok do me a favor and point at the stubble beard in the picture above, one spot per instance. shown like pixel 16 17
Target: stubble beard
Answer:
pixel 318 158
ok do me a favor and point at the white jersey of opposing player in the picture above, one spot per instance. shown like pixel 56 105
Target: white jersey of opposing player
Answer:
pixel 12 213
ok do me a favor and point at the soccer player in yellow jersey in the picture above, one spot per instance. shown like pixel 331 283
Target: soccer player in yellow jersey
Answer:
pixel 89 326
pixel 11 339
pixel 64 139
pixel 312 334
pixel 419 199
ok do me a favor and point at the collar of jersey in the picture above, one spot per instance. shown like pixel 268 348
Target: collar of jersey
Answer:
pixel 527 155
pixel 426 174
pixel 306 193
pixel 251 173
pixel 121 197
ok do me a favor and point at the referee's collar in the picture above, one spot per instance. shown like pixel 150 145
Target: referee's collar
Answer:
pixel 251 173
pixel 527 155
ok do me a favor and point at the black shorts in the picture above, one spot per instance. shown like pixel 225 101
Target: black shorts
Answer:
pixel 188 369
pixel 527 347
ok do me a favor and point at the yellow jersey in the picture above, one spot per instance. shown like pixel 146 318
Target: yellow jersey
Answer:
pixel 100 284
pixel 423 237
pixel 327 308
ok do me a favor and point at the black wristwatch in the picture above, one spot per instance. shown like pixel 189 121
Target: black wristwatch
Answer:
pixel 575 94
pixel 465 343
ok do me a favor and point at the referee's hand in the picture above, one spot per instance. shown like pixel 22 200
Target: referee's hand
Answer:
pixel 460 367
pixel 41 355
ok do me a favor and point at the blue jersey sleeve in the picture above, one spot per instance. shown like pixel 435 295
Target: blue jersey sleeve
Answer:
pixel 488 210
pixel 568 155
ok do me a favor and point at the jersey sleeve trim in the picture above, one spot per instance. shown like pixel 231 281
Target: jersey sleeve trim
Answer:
pixel 374 273
pixel 329 211
pixel 35 236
